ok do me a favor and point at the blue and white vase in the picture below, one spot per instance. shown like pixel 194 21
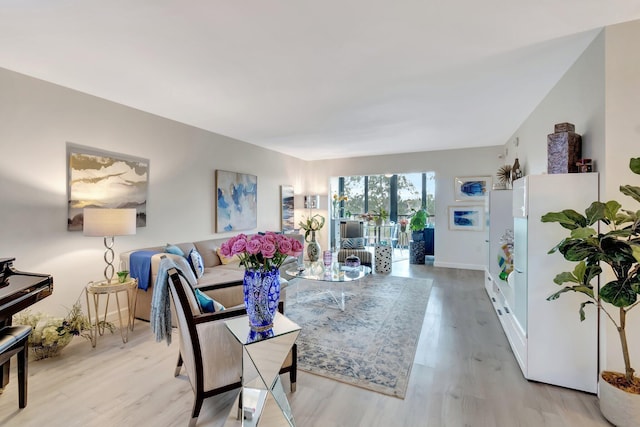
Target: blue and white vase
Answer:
pixel 261 297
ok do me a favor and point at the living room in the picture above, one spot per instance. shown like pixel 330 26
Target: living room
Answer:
pixel 598 94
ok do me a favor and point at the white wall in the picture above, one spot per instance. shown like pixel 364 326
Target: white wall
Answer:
pixel 622 105
pixel 460 249
pixel 577 98
pixel 38 118
pixel 600 94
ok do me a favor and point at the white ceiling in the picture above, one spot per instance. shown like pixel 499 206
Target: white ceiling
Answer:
pixel 314 79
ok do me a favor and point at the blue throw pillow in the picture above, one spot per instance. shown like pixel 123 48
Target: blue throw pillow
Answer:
pixel 195 259
pixel 208 304
pixel 173 249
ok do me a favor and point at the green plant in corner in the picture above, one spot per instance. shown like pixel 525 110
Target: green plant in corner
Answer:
pixel 619 248
pixel 418 220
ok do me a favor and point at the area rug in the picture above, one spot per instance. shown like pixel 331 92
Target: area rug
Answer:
pixel 372 343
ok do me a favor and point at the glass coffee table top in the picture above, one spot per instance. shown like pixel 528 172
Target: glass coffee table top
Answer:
pixel 336 273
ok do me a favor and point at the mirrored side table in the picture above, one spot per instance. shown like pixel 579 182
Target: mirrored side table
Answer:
pixel 264 402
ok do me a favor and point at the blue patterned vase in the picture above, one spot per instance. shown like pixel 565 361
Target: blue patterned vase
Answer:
pixel 261 296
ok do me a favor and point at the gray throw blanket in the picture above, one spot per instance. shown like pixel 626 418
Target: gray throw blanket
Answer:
pixel 160 301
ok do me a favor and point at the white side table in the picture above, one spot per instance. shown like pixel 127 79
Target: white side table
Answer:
pixel 263 399
pixel 97 289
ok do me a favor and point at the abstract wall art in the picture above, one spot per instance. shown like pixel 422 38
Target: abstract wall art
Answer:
pixel 236 201
pixel 471 188
pixel 102 179
pixel 466 218
pixel 287 212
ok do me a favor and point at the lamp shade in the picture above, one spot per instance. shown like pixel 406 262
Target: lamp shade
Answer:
pixel 108 222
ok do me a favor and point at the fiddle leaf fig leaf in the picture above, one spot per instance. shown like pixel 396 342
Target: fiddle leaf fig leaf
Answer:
pixel 631 190
pixel 583 233
pixel 618 293
pixel 556 295
pixel 634 165
pixel 582 315
pixel 595 212
pixel 568 219
pixel 635 251
pixel 577 250
pixel 611 209
pixel 579 271
pixel 565 277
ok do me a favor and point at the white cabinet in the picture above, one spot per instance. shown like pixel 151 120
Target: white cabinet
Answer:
pixel 547 337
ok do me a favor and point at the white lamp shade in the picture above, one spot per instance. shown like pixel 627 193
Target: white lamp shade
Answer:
pixel 108 222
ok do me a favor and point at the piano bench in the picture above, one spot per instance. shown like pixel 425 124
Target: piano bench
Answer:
pixel 15 340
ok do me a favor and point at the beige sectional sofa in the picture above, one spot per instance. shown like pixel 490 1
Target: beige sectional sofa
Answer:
pixel 220 281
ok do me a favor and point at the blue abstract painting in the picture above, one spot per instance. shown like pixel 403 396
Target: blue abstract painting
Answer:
pixel 469 218
pixel 471 188
pixel 236 201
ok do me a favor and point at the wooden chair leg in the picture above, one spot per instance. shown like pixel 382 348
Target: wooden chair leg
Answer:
pixel 197 405
pixel 293 373
pixel 23 373
pixel 178 366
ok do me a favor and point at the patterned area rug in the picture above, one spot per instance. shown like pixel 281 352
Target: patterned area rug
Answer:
pixel 372 343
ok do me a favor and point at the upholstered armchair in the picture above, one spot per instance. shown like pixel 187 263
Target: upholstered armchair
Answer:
pixel 211 356
pixel 352 242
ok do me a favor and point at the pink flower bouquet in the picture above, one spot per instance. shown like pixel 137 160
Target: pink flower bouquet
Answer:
pixel 262 252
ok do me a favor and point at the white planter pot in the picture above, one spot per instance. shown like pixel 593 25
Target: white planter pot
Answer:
pixel 622 409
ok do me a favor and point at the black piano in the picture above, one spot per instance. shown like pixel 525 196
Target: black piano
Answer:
pixel 19 290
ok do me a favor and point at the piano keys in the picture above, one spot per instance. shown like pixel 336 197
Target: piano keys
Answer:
pixel 18 291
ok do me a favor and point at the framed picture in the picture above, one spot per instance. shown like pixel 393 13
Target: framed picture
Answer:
pixel 236 201
pixel 286 208
pixel 466 218
pixel 471 188
pixel 102 179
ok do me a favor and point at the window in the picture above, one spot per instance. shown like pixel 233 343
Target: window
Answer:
pixel 398 194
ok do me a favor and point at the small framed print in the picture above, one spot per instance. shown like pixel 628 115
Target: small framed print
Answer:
pixel 466 218
pixel 287 208
pixel 471 188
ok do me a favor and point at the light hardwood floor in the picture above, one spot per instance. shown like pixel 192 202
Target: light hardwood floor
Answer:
pixel 464 374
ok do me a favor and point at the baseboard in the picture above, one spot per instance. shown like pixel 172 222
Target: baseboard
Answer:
pixel 457 265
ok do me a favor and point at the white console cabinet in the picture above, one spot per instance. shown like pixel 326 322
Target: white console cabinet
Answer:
pixel 548 340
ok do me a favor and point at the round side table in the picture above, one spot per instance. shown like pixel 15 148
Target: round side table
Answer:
pixel 96 290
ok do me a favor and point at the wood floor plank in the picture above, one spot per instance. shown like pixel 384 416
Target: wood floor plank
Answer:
pixel 464 374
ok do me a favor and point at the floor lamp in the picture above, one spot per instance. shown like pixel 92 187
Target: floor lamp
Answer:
pixel 108 223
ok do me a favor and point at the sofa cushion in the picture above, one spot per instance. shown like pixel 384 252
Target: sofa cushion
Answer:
pixel 173 249
pixel 195 259
pixel 207 248
pixel 208 304
pixel 234 259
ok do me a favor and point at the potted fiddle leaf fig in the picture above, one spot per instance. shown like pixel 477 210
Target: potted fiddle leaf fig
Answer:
pixel 617 246
pixel 417 223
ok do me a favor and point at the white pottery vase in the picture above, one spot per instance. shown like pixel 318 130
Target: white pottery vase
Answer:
pixel 620 408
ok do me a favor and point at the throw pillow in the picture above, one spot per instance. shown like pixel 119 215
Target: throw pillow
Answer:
pixel 173 249
pixel 352 243
pixel 195 259
pixel 227 259
pixel 208 304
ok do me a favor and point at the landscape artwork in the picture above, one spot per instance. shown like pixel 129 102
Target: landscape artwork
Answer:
pixel 471 188
pixel 236 201
pixel 287 213
pixel 101 179
pixel 466 218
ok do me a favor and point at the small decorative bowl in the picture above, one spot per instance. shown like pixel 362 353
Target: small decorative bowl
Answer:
pixel 352 261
